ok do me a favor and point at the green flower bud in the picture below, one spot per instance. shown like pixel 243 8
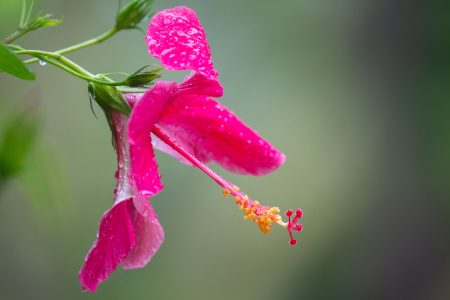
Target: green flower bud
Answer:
pixel 133 13
pixel 108 97
pixel 139 78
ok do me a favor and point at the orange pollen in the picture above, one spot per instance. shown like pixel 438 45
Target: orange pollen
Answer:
pixel 226 193
pixel 263 216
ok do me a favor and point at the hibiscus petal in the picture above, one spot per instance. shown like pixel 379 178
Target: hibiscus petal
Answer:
pixel 176 37
pixel 149 233
pixel 199 84
pixel 161 146
pixel 143 117
pixel 210 132
pixel 115 240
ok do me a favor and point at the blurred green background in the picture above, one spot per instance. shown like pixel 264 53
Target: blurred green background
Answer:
pixel 355 93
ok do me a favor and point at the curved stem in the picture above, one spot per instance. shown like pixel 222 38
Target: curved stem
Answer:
pixel 89 79
pixel 59 58
pixel 69 66
pixel 91 42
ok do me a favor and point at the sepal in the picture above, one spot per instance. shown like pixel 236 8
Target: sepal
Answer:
pixel 39 22
pixel 139 78
pixel 109 97
pixel 129 16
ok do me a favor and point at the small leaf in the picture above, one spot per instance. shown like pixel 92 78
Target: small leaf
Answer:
pixel 47 23
pixel 10 63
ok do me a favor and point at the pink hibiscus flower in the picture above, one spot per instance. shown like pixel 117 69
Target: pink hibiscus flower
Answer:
pixel 182 121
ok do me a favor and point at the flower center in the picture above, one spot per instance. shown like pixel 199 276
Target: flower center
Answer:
pixel 263 216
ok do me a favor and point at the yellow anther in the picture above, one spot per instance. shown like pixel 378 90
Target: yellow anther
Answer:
pixel 262 216
pixel 226 193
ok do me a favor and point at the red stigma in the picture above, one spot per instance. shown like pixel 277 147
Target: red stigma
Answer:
pixel 292 224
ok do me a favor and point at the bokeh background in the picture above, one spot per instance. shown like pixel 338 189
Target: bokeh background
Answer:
pixel 355 93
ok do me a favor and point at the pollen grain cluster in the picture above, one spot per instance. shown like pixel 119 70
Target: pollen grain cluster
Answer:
pixel 263 216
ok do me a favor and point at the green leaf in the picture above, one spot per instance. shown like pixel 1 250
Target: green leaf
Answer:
pixel 51 22
pixel 10 63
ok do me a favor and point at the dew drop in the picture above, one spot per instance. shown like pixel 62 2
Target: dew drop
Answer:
pixel 42 62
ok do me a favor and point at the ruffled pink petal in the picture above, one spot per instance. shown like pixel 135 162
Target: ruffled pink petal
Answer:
pixel 210 132
pixel 115 240
pixel 176 37
pixel 143 117
pixel 197 83
pixel 149 233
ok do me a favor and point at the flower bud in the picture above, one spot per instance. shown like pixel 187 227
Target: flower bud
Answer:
pixel 134 12
pixel 139 78
pixel 109 97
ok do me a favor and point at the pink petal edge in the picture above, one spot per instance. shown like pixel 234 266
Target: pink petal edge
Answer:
pixel 176 37
pixel 197 83
pixel 142 119
pixel 114 242
pixel 149 233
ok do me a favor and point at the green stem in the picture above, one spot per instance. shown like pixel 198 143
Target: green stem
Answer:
pixel 69 66
pixel 91 42
pixel 59 58
pixel 14 36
